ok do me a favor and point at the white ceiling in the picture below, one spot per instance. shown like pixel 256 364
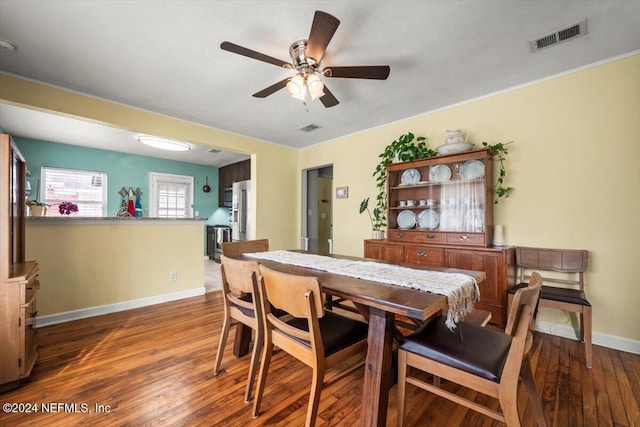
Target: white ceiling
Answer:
pixel 164 56
pixel 45 126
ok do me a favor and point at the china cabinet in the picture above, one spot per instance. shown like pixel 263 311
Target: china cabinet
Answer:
pixel 18 278
pixel 444 200
pixel 440 213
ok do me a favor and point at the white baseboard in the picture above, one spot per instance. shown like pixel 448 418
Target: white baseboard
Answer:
pixel 605 340
pixel 82 313
pixel 212 288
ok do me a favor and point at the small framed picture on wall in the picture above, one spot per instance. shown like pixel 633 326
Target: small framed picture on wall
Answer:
pixel 342 192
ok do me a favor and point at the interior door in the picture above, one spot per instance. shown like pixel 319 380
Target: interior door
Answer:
pixel 317 210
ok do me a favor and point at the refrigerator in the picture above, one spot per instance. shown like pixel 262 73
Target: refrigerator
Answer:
pixel 240 210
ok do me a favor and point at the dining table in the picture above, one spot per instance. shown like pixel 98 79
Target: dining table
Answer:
pixel 379 303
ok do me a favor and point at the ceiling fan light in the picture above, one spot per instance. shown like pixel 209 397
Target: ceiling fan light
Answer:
pixel 316 95
pixel 315 86
pixel 296 87
pixel 163 144
pixel 300 96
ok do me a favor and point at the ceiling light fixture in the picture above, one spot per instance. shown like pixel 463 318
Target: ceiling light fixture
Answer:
pixel 163 144
pixel 301 83
pixel 297 87
pixel 315 86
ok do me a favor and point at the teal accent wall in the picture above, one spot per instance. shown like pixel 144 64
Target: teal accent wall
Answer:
pixel 123 170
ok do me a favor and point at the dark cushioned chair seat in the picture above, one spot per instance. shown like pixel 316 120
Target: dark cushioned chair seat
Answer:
pixel 471 348
pixel 572 296
pixel 338 332
pixel 248 312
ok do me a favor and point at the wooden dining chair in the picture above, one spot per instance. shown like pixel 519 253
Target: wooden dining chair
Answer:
pixel 481 359
pixel 564 271
pixel 242 340
pixel 239 288
pixel 244 246
pixel 317 337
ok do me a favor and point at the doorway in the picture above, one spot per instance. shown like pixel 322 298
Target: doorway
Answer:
pixel 317 209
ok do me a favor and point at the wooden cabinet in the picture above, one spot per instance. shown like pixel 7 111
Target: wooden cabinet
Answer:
pixel 379 250
pixel 18 279
pixel 423 255
pixel 227 175
pixel 497 263
pixel 18 335
pixel 242 171
pixel 444 199
pixel 440 214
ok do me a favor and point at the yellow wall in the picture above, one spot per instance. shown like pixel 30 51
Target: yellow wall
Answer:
pixel 84 266
pixel 574 165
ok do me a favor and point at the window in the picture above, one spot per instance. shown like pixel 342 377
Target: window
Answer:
pixel 87 189
pixel 171 195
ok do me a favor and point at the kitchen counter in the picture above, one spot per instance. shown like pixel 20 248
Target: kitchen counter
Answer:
pixel 109 220
pixel 92 263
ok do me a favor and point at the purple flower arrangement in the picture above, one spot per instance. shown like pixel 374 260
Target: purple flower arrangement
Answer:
pixel 65 208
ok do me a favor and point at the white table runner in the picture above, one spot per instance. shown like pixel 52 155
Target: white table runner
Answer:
pixel 461 290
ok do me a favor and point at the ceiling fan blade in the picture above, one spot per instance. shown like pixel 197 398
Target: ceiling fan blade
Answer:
pixel 378 72
pixel 271 89
pixel 328 100
pixel 234 48
pixel 322 30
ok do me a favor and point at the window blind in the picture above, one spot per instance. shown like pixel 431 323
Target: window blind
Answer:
pixel 172 195
pixel 87 189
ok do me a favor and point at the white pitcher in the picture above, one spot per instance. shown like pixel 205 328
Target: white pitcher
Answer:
pixel 455 136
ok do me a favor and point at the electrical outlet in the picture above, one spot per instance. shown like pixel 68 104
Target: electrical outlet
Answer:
pixel 173 276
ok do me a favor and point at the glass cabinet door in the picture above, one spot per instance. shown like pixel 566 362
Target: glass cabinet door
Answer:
pixel 446 194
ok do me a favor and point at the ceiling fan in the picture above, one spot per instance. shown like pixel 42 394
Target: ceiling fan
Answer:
pixel 306 56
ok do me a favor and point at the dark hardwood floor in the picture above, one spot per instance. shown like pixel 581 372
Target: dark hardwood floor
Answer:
pixel 153 366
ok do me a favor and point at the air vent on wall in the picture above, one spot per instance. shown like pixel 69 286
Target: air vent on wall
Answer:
pixel 561 35
pixel 309 128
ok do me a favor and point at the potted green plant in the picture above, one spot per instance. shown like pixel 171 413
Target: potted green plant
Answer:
pixel 377 219
pixel 37 208
pixel 406 148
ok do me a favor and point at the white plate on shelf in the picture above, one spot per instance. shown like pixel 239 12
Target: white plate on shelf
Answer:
pixel 410 177
pixel 406 219
pixel 439 173
pixel 472 169
pixel 428 219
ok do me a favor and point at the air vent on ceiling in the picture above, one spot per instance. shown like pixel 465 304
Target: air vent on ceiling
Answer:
pixel 213 151
pixel 563 34
pixel 309 128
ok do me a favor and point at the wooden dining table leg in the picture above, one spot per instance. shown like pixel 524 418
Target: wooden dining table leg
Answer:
pixel 377 373
pixel 242 340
